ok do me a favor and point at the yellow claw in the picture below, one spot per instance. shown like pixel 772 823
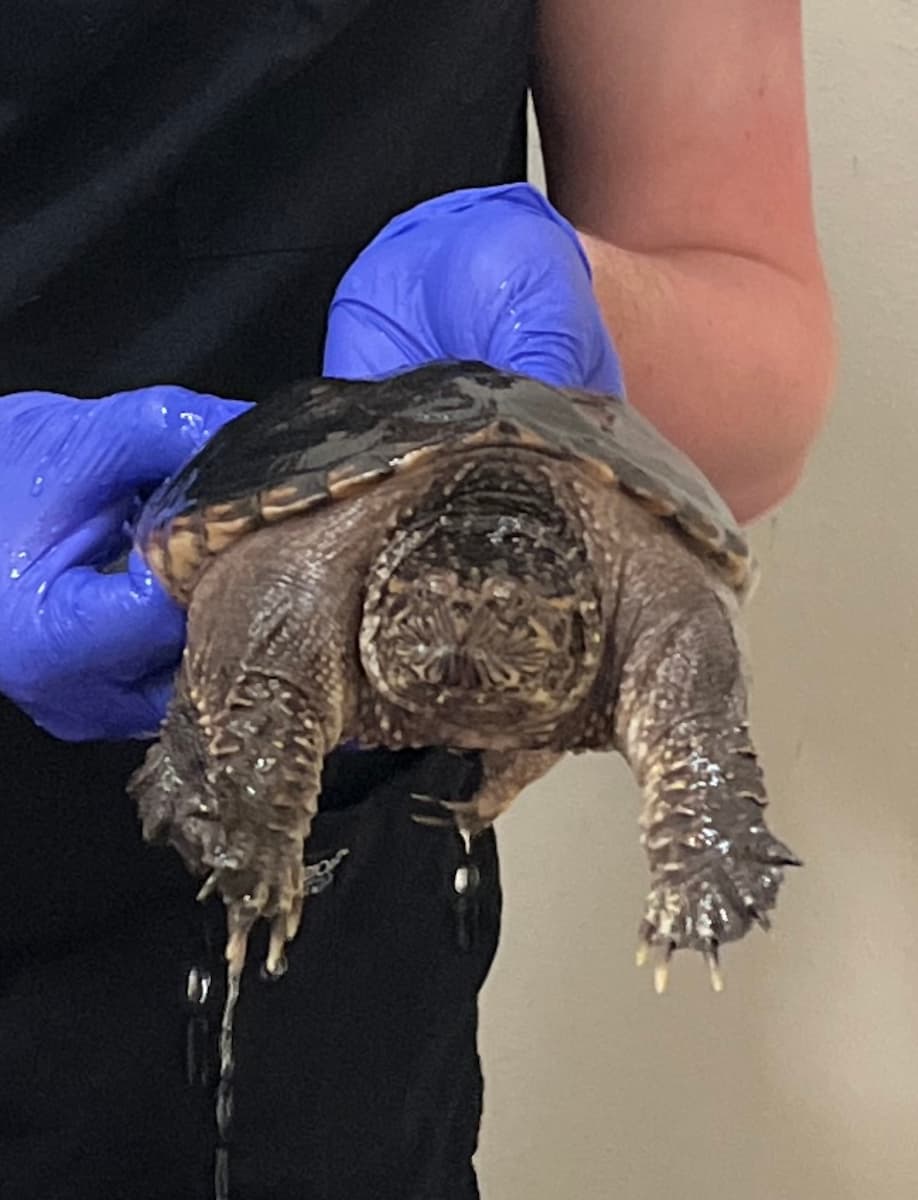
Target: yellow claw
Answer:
pixel 660 977
pixel 713 961
pixel 209 886
pixel 294 916
pixel 642 954
pixel 276 963
pixel 236 946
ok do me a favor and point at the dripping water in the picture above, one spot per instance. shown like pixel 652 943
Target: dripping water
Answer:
pixel 224 1106
pixel 235 963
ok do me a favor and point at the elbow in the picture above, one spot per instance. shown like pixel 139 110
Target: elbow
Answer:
pixel 796 402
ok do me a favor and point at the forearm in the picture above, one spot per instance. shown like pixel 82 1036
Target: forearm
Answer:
pixel 731 359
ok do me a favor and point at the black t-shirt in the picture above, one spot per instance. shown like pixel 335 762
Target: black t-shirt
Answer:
pixel 181 187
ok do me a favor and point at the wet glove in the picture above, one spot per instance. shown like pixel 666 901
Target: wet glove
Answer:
pixel 89 655
pixel 494 274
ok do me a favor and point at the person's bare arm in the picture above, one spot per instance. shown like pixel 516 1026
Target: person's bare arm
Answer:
pixel 674 137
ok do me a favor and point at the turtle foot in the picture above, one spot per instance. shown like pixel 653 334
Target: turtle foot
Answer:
pixel 706 900
pixel 271 891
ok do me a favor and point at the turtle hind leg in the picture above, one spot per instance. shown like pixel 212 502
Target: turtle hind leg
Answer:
pixel 504 774
pixel 681 721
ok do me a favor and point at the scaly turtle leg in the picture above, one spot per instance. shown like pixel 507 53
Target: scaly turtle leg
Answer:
pixel 261 698
pixel 681 721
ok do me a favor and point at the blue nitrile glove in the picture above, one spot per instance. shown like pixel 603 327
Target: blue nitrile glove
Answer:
pixel 89 655
pixel 493 274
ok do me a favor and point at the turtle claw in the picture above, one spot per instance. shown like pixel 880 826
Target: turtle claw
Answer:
pixel 661 969
pixel 661 964
pixel 241 915
pixel 761 919
pixel 277 900
pixel 276 962
pixel 237 942
pixel 294 916
pixel 209 887
pixel 712 958
pixel 664 959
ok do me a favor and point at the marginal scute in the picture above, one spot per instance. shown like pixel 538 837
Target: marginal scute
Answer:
pixel 157 558
pixel 659 503
pixel 699 527
pixel 347 482
pixel 328 439
pixel 227 512
pixel 279 503
pixel 222 532
pixel 186 550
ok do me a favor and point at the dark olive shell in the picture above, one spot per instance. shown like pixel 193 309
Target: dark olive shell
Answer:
pixel 323 439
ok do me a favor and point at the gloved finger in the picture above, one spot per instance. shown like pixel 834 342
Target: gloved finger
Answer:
pixel 154 694
pixel 47 550
pixel 96 540
pixel 546 324
pixel 121 625
pixel 129 713
pixel 490 204
pixel 147 435
pixel 523 296
pixel 494 274
pixel 103 454
pixel 521 301
pixel 365 341
pixel 379 318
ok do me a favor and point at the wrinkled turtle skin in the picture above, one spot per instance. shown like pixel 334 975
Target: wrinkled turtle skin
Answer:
pixel 462 557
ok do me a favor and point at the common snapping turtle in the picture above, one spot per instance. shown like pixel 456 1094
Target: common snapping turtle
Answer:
pixel 462 557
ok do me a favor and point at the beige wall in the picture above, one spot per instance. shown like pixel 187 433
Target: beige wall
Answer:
pixel 801 1080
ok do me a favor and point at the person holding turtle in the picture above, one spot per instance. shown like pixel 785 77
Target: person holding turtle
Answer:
pixel 202 205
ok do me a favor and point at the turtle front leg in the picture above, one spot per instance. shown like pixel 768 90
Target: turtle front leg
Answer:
pixel 681 721
pixel 233 783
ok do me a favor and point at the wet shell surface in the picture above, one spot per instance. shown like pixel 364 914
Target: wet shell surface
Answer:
pixel 325 439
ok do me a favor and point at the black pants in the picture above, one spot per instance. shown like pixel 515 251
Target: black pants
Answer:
pixel 357 1074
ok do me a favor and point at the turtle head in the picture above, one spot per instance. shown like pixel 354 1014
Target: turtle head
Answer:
pixel 484 621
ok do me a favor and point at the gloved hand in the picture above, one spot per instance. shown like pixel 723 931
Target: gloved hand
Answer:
pixel 494 274
pixel 89 655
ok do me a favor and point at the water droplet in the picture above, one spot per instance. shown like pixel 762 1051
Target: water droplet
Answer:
pixel 466 880
pixel 21 556
pixel 38 484
pixel 197 986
